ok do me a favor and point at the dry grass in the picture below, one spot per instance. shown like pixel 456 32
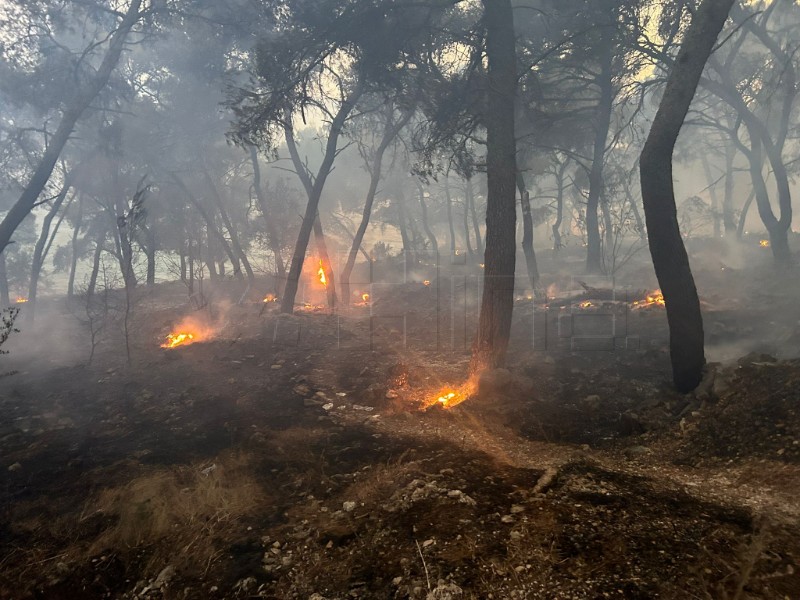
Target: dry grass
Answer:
pixel 179 512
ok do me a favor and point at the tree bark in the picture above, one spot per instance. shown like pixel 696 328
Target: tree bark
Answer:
pixel 73 263
pixel 98 251
pixel 425 224
pixel 594 253
pixel 712 192
pixel 727 200
pixel 69 118
pixel 527 233
pixel 475 224
pixel 314 193
pixel 236 245
pixel 451 227
pixel 272 232
pixel 743 216
pixel 666 246
pixel 497 303
pixel 5 297
pixel 38 251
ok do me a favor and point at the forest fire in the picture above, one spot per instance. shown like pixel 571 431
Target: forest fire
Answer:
pixel 178 339
pixel 449 397
pixel 321 274
pixel 764 243
pixel 654 298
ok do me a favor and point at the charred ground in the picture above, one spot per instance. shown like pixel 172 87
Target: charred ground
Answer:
pixel 283 457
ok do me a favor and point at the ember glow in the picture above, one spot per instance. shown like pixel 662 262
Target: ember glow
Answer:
pixel 178 339
pixel 426 282
pixel 21 300
pixel 586 304
pixel 365 297
pixel 270 298
pixel 321 274
pixel 764 243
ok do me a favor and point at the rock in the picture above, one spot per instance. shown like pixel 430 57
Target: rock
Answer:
pixel 302 390
pixel 517 508
pixel 506 519
pixel 164 577
pixel 245 585
pixel 15 468
pixel 391 395
pixel 276 367
pixel 445 591
pixel 427 543
pixel 348 506
pixel 316 596
pixel 591 402
pixel 636 451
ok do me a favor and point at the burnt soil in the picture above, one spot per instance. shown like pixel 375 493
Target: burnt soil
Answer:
pixel 292 457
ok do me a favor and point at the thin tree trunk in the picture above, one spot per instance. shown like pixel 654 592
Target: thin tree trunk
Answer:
pixel 527 233
pixel 327 265
pixel 476 227
pixel 5 297
pixel 237 246
pixel 408 252
pixel 727 201
pixel 69 118
pixel 452 230
pixel 712 192
pixel 497 303
pixel 745 210
pixel 389 134
pixel 98 251
pixel 210 224
pixel 314 193
pixel 666 245
pixel 425 224
pixel 211 256
pixel 272 232
pixel 150 250
pixel 38 251
pixel 594 256
pixel 557 244
pixel 73 264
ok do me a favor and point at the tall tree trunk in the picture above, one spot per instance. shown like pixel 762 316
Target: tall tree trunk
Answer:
pixel 408 251
pixel 557 244
pixel 451 227
pixel 210 224
pixel 389 134
pixel 327 265
pixel 5 297
pixel 527 233
pixel 745 210
pixel 727 200
pixel 314 193
pixel 425 224
pixel 272 231
pixel 38 251
pixel 716 215
pixel 666 246
pixel 73 263
pixel 476 227
pixel 150 250
pixel 69 117
pixel 211 256
pixel 235 243
pixel 497 304
pixel 594 256
pixel 466 222
pixel 98 252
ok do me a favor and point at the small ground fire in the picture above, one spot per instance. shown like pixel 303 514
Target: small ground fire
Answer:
pixel 178 339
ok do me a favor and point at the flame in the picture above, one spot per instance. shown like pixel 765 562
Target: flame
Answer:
pixel 270 298
pixel 654 298
pixel 586 304
pixel 448 397
pixel 365 297
pixel 178 339
pixel 764 243
pixel 21 300
pixel 426 282
pixel 321 274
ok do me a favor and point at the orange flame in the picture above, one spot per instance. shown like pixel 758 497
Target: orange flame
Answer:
pixel 654 298
pixel 764 243
pixel 426 282
pixel 21 300
pixel 270 298
pixel 178 339
pixel 365 297
pixel 321 273
pixel 449 397
pixel 586 304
